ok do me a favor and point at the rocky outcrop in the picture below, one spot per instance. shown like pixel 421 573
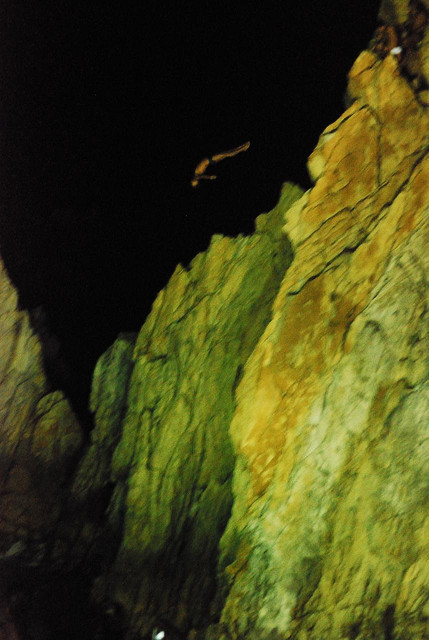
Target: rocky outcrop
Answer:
pixel 173 464
pixel 39 436
pixel 40 440
pixel 259 462
pixel 328 533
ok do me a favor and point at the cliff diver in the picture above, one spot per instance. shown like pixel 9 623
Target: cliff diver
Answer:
pixel 200 171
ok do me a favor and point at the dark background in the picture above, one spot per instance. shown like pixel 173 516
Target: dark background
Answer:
pixel 107 107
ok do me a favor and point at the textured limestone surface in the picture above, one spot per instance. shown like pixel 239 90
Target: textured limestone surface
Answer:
pixel 107 403
pixel 39 436
pixel 91 487
pixel 329 533
pixel 173 464
pixel 269 424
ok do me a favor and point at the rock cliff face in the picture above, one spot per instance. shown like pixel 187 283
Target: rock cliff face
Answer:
pixel 40 441
pixel 262 443
pixel 173 464
pixel 329 531
pixel 39 434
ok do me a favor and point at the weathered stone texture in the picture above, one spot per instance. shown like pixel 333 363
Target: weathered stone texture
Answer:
pixel 39 435
pixel 329 533
pixel 174 461
pixel 108 404
pixel 276 399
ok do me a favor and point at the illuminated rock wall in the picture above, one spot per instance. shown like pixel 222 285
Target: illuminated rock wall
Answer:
pixel 329 534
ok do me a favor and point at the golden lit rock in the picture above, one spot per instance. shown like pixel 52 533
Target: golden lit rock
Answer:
pixel 330 496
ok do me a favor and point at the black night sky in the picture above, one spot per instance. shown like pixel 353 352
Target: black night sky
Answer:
pixel 106 109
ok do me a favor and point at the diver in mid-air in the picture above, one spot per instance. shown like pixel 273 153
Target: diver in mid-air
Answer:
pixel 199 173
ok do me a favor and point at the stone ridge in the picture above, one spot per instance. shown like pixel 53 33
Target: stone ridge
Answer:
pixel 328 536
pixel 40 438
pixel 260 456
pixel 174 461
